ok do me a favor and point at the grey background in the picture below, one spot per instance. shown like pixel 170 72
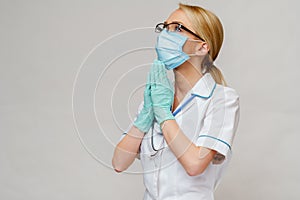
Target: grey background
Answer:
pixel 44 49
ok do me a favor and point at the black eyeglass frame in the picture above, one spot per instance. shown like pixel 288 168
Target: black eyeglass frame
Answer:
pixel 158 29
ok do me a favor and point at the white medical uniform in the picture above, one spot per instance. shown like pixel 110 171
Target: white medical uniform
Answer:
pixel 209 119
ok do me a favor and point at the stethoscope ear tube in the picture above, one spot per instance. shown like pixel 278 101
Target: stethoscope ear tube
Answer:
pixel 174 113
pixel 152 144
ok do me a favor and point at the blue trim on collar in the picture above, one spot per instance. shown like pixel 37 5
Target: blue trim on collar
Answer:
pixel 212 91
pixel 190 99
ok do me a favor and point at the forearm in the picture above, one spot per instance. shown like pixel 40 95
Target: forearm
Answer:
pixel 193 158
pixel 127 149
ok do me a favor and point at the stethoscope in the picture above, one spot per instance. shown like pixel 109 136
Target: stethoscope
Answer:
pixel 179 109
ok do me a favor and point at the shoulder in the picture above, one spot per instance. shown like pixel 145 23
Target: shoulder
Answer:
pixel 224 97
pixel 225 93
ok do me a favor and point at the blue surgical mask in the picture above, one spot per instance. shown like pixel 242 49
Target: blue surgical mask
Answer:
pixel 169 49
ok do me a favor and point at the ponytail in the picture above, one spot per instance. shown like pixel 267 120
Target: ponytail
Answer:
pixel 217 75
pixel 208 66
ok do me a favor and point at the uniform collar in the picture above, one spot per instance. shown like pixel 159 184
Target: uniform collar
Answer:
pixel 204 87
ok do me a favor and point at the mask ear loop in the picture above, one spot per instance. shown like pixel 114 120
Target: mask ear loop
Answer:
pixel 193 40
pixel 207 61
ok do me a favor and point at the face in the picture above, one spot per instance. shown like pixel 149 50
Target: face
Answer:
pixel 193 45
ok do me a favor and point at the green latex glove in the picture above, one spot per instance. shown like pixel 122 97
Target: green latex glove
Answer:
pixel 145 118
pixel 162 92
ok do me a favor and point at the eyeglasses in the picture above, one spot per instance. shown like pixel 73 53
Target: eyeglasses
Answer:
pixel 175 26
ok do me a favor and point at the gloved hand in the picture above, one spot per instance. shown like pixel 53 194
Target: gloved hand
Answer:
pixel 145 118
pixel 162 92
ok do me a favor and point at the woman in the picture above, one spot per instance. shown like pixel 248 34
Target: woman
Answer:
pixel 183 132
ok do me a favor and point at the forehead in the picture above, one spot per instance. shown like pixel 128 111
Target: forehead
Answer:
pixel 179 16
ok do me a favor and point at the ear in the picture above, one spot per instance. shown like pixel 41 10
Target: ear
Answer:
pixel 202 49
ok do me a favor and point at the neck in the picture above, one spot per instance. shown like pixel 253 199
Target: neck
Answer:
pixel 186 76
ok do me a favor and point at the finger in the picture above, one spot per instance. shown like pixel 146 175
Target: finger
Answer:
pixel 159 72
pixel 163 78
pixel 170 83
pixel 152 80
pixel 147 92
pixel 156 71
pixel 163 75
pixel 148 83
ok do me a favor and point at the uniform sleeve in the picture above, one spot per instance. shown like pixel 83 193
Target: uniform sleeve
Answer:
pixel 129 127
pixel 220 123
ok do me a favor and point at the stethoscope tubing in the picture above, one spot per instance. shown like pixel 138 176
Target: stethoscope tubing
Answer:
pixel 179 109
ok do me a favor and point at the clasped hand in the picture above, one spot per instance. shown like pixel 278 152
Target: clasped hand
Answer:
pixel 158 98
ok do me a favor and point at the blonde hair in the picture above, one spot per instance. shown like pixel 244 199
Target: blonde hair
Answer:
pixel 209 27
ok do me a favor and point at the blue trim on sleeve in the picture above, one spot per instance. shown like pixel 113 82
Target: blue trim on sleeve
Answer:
pixel 216 139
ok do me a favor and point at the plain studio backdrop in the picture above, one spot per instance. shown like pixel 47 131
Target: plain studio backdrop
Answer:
pixel 72 75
